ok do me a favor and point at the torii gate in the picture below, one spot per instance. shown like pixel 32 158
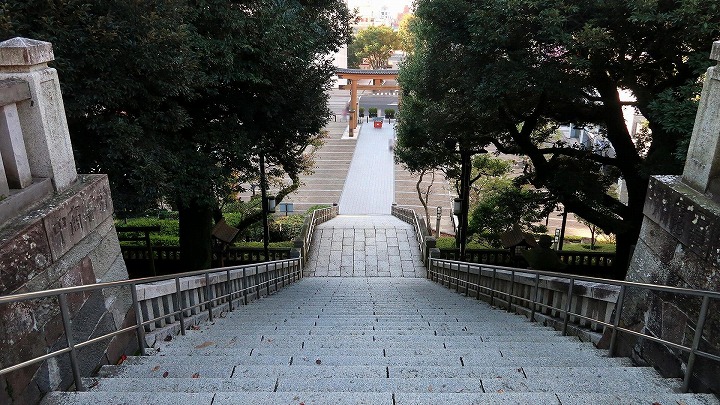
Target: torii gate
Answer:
pixel 353 75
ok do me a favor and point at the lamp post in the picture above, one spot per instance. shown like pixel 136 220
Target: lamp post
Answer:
pixel 461 206
pixel 437 223
pixel 268 206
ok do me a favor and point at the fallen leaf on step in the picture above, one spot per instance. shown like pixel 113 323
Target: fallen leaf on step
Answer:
pixel 430 388
pixel 156 368
pixel 165 374
pixel 196 375
pixel 318 361
pixel 500 391
pixel 195 327
pixel 168 338
pixel 122 359
pixel 204 345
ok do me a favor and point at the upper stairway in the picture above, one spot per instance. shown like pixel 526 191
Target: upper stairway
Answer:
pixel 335 340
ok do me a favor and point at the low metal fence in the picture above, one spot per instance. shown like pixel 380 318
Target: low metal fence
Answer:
pixel 162 300
pixel 542 291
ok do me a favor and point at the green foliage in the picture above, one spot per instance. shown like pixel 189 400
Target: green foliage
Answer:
pixel 405 34
pixel 175 100
pixel 502 205
pixel 600 247
pixel 168 235
pixel 389 113
pixel 372 112
pixel 373 44
pixel 315 208
pixel 566 65
pixel 361 110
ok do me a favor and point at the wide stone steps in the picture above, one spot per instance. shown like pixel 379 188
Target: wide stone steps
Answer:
pixel 374 341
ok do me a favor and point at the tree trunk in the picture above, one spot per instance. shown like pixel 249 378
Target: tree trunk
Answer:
pixel 195 236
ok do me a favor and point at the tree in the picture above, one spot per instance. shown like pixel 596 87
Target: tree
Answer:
pixel 566 65
pixel 593 230
pixel 502 205
pixel 405 33
pixel 176 101
pixel 374 44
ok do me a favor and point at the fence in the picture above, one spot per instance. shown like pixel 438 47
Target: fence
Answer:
pixel 569 301
pixel 425 240
pixel 164 301
pixel 167 258
pixel 303 242
pixel 592 264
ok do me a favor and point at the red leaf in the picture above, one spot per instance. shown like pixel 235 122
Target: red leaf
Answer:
pixel 122 359
pixel 196 375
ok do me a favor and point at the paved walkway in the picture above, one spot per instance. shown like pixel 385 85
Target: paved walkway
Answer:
pixel 365 246
pixel 369 185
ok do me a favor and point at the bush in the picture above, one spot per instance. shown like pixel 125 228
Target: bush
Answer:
pixel 372 112
pixel 361 111
pixel 168 235
pixel 389 113
pixel 315 208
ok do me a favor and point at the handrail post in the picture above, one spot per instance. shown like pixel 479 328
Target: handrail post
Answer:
pixel 492 286
pixel 65 311
pixel 178 294
pixel 138 320
pixel 244 287
pixel 568 306
pixel 257 282
pixel 229 290
pixel 616 321
pixel 512 290
pixel 696 342
pixel 275 274
pixel 267 278
pixel 467 282
pixel 457 278
pixel 208 296
pixel 535 297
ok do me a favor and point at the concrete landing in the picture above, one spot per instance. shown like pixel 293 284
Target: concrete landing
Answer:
pixel 364 246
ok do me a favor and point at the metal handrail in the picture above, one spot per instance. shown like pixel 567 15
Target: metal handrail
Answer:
pixel 693 350
pixel 138 327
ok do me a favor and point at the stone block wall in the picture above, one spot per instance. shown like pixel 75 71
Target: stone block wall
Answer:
pixel 68 240
pixel 679 246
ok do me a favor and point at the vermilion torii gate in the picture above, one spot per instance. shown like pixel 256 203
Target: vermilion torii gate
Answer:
pixel 354 76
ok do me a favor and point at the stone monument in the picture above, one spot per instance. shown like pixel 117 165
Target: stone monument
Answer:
pixel 679 245
pixel 56 230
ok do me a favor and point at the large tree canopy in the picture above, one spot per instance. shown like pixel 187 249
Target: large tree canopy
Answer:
pixel 509 72
pixel 176 100
pixel 375 45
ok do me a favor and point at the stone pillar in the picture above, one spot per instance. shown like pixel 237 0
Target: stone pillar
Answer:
pixel 42 117
pixel 679 245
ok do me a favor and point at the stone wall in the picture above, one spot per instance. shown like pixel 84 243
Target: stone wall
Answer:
pixel 679 246
pixel 68 240
pixel 56 230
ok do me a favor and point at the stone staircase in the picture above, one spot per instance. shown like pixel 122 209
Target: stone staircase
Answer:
pixel 375 341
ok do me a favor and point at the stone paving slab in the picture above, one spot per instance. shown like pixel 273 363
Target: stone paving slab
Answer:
pixel 127 398
pixel 307 398
pixel 364 246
